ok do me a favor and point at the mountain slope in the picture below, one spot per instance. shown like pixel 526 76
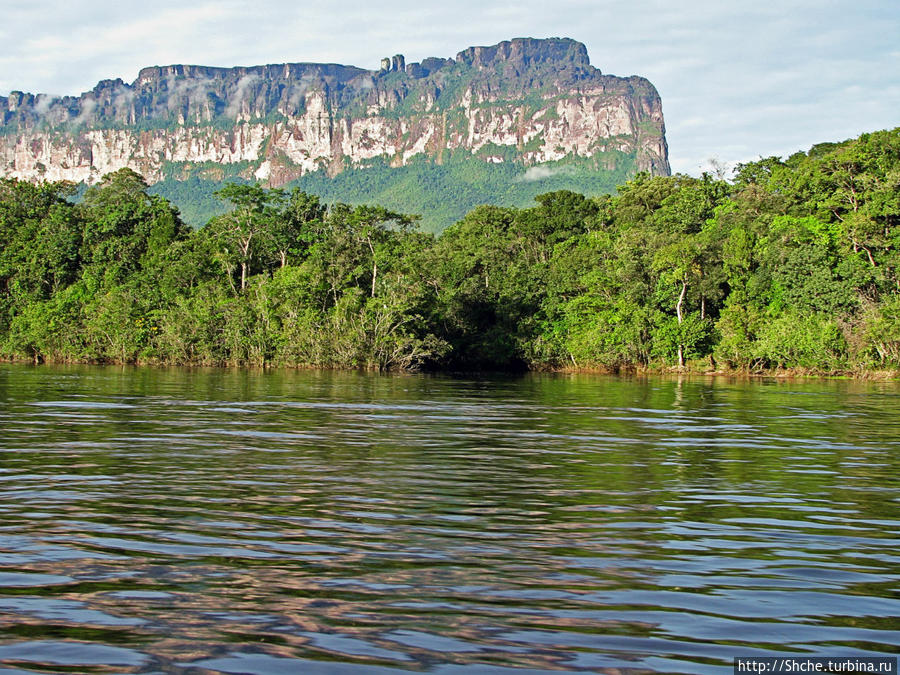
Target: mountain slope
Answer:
pixel 522 103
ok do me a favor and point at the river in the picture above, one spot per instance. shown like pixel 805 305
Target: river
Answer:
pixel 228 521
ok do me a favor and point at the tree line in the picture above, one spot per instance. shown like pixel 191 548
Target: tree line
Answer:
pixel 791 264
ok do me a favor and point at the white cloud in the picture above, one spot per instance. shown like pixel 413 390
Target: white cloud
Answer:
pixel 539 172
pixel 42 104
pixel 87 107
pixel 236 100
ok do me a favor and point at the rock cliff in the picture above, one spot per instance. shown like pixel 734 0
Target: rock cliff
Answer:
pixel 527 101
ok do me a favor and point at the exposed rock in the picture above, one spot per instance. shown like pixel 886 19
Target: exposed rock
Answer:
pixel 541 99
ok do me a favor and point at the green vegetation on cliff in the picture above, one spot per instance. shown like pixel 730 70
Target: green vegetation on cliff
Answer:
pixel 793 264
pixel 441 193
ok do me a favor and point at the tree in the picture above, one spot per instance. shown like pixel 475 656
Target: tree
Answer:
pixel 297 226
pixel 254 210
pixel 40 238
pixel 125 227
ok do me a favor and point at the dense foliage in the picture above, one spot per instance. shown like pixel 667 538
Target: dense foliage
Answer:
pixel 793 264
pixel 442 193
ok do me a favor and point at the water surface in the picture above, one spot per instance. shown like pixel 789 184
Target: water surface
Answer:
pixel 216 521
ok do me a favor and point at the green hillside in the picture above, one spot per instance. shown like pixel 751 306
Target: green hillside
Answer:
pixel 440 193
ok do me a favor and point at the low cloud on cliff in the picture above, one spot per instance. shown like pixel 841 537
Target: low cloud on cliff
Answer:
pixel 87 107
pixel 237 99
pixel 540 172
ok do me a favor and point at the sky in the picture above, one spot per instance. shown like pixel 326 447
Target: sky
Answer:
pixel 738 80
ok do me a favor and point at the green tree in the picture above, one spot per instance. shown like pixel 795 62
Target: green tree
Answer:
pixel 238 233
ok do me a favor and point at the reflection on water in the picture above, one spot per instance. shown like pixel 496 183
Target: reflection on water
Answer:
pixel 199 521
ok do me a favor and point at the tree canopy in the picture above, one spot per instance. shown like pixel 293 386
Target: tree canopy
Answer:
pixel 795 263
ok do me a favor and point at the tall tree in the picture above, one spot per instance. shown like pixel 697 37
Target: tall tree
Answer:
pixel 239 231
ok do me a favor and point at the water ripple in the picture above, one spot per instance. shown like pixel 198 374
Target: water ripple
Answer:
pixel 222 521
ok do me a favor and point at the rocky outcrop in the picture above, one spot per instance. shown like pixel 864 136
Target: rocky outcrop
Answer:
pixel 527 101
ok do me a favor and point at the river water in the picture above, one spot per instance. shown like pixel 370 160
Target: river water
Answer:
pixel 220 521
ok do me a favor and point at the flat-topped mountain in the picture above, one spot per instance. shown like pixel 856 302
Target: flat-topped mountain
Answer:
pixel 520 103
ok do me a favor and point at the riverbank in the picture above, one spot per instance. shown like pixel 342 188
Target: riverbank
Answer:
pixel 690 370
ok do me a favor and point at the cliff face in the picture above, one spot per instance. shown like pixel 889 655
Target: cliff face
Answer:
pixel 526 101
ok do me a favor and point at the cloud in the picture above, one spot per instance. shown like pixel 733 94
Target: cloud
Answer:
pixel 235 101
pixel 541 172
pixel 87 107
pixel 761 78
pixel 42 104
pixel 124 97
pixel 295 98
pixel 190 91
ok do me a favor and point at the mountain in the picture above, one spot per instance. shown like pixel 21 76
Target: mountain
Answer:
pixel 498 123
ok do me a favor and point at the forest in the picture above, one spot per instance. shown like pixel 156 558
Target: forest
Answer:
pixel 787 265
